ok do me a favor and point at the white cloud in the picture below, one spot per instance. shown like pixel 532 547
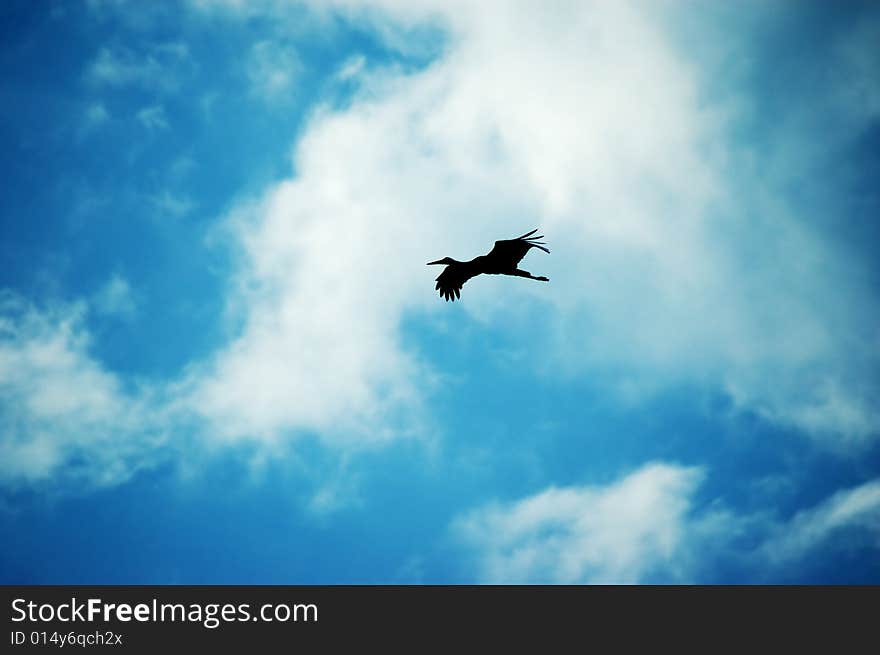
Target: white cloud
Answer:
pixel 612 535
pixel 646 527
pixel 673 256
pixel 116 67
pixel 63 417
pixel 157 67
pixel 153 118
pixel 675 259
pixel 115 298
pixel 272 69
pixel 308 359
pixel 857 508
pixel 351 67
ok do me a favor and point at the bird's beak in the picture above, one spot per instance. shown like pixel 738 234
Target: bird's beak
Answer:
pixel 439 261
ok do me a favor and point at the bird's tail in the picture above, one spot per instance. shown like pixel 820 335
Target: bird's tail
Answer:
pixel 533 241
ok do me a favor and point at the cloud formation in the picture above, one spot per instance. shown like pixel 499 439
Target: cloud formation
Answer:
pixel 63 417
pixel 677 255
pixel 854 510
pixel 155 67
pixel 647 527
pixel 678 259
pixel 272 70
pixel 613 535
pixel 153 117
pixel 115 298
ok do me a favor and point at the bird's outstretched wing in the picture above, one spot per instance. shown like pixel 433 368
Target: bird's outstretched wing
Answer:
pixel 513 250
pixel 453 277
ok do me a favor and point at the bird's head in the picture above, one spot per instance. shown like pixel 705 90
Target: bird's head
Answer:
pixel 445 260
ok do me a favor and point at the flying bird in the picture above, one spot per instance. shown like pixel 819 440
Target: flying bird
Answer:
pixel 501 260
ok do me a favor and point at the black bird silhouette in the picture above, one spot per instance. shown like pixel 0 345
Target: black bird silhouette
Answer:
pixel 501 260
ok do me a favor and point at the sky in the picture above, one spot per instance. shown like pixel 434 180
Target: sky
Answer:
pixel 223 360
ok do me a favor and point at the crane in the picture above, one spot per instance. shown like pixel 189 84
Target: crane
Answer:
pixel 501 260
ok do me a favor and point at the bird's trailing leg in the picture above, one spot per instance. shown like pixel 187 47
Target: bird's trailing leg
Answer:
pixel 521 273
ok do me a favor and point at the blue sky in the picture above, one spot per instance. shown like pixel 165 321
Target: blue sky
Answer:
pixel 222 359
